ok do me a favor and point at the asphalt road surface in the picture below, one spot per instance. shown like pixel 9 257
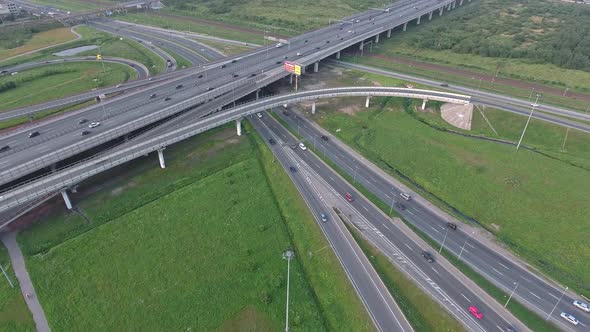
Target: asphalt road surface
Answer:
pixel 537 293
pixel 448 288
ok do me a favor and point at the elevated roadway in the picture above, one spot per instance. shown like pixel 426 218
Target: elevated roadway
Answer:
pixel 75 174
pixel 306 49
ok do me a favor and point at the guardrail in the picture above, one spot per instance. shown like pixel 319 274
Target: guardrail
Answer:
pixel 70 176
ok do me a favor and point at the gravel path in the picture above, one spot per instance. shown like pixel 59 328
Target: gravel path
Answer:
pixel 26 285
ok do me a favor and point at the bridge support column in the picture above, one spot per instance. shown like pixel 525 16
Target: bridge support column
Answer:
pixel 389 33
pixel 430 16
pixel 66 198
pixel 461 3
pixel 440 10
pixel 423 104
pixel 367 101
pixel 454 4
pixel 338 55
pixel 291 79
pixel 418 21
pixel 377 39
pixel 239 127
pixel 405 26
pixel 161 157
pixel 313 108
pixel 449 7
pixel 361 46
pixel 316 67
pixel 257 94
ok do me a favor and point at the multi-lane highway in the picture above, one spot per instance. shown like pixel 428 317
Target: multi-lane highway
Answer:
pixel 438 279
pixel 305 49
pixel 504 270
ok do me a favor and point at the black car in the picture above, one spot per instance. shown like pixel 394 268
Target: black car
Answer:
pixel 327 42
pixel 210 88
pixel 153 95
pixel 5 148
pixel 272 141
pixel 428 256
pixel 279 62
pixel 34 134
pixel 452 226
pixel 253 74
pixel 325 138
pixel 400 206
pixel 293 146
pixel 235 75
pixel 200 76
pixel 167 98
pixel 286 113
pixel 234 61
pixel 292 169
pixel 82 121
pixel 179 86
pixel 305 41
pixel 444 85
pixel 85 132
pixel 223 66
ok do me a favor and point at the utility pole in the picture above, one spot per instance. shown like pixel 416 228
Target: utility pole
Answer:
pixel 514 290
pixel 527 122
pixel 288 255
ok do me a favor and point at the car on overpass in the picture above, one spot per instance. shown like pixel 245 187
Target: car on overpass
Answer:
pixel 582 306
pixel 570 318
pixel 475 312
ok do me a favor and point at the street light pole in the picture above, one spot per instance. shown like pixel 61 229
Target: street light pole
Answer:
pixel 392 201
pixel 288 255
pixel 527 122
pixel 514 290
pixel 354 177
pixel 444 239
pixel 462 248
pixel 556 303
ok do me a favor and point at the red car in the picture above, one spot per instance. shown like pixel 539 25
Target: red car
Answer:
pixel 475 312
pixel 348 197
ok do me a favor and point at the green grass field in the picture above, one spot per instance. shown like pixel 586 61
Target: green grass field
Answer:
pixel 227 49
pixel 14 314
pixel 521 197
pixel 186 24
pixel 36 41
pixel 74 5
pixel 135 199
pixel 55 81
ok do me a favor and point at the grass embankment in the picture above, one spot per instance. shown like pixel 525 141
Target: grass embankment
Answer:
pixel 209 218
pixel 424 313
pixel 338 300
pixel 45 83
pixel 37 41
pixel 227 49
pixel 192 25
pixel 14 314
pixel 23 119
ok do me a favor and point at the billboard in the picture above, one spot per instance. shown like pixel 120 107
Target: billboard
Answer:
pixel 292 68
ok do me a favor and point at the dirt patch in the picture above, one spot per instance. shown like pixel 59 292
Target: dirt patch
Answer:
pixel 537 19
pixel 457 115
pixel 350 109
pixel 495 227
pixel 249 319
pixel 117 191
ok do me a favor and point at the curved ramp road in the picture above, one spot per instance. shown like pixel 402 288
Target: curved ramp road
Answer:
pixel 140 68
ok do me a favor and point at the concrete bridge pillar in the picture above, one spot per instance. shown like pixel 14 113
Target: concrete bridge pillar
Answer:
pixel 418 22
pixel 257 94
pixel 389 33
pixel 291 79
pixel 66 198
pixel 239 127
pixel 461 3
pixel 338 55
pixel 454 4
pixel 449 7
pixel 316 67
pixel 405 26
pixel 430 16
pixel 423 104
pixel 361 46
pixel 440 10
pixel 377 39
pixel 313 108
pixel 161 157
pixel 367 101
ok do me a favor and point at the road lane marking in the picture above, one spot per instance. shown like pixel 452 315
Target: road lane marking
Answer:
pixel 387 196
pixel 373 179
pixel 331 178
pixel 408 246
pixel 555 297
pixel 499 328
pixel 410 212
pixel 435 271
pixel 535 295
pixel 466 298
pixel 365 208
pixel 504 266
pixel 434 229
pixel 470 245
pixel 525 279
pixel 386 226
pixel 498 272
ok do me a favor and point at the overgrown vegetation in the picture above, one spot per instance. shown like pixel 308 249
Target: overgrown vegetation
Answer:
pixel 17 35
pixel 542 31
pixel 14 314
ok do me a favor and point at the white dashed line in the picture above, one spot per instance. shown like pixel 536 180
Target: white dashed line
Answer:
pixel 385 225
pixel 331 178
pixel 504 266
pixel 365 208
pixel 435 271
pixel 466 298
pixel 525 279
pixel 408 246
pixel 535 295
pixel 498 272
pixel 555 297
pixel 434 229
pixel 410 212
pixel 499 328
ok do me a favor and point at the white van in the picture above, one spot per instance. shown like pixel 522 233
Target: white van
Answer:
pixel 302 146
pixel 405 196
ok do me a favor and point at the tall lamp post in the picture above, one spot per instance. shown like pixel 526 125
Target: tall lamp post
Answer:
pixel 514 290
pixel 288 255
pixel 527 121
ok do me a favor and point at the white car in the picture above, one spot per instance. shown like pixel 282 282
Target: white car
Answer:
pixel 299 53
pixel 581 305
pixel 569 318
pixel 259 115
pixel 279 45
pixel 405 196
pixel 302 146
pixel 93 124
